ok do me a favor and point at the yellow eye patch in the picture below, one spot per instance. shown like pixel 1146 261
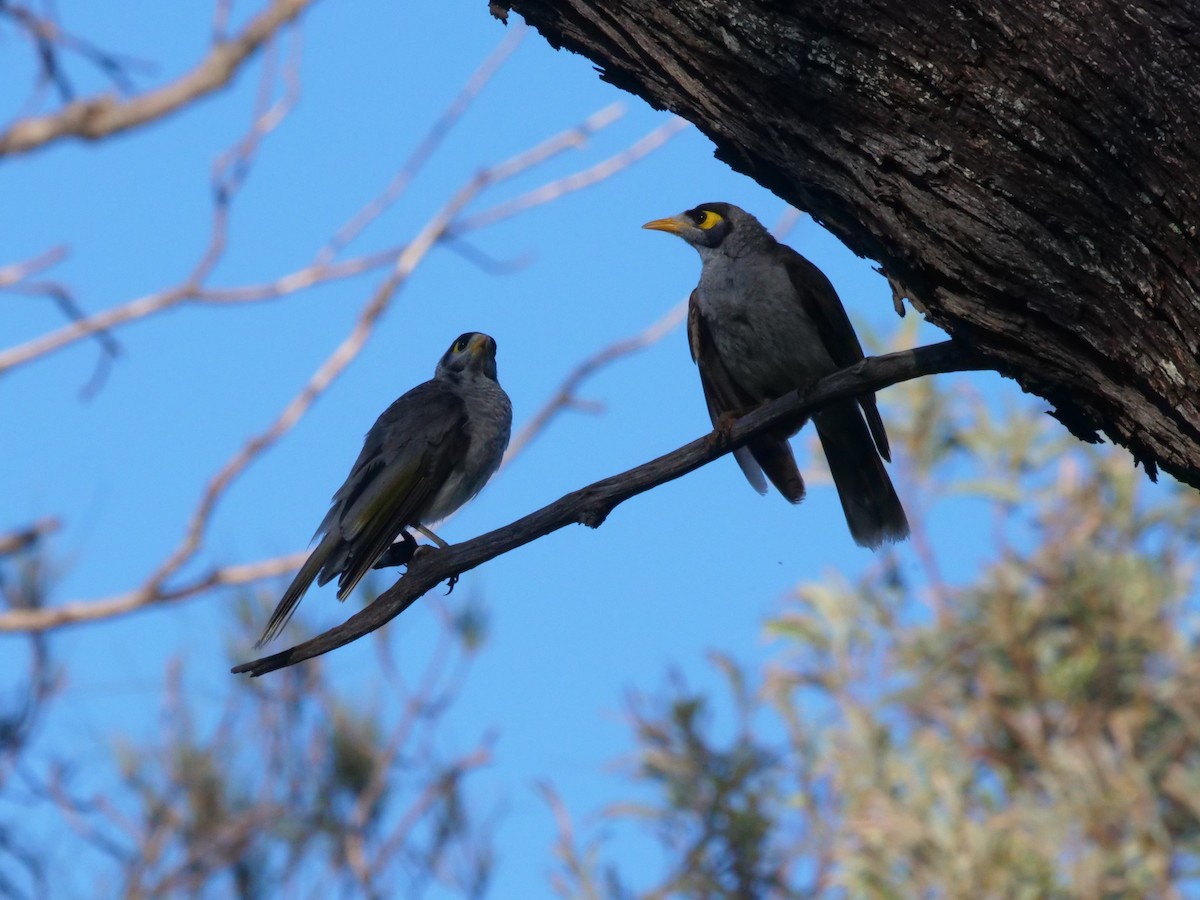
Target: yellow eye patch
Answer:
pixel 461 345
pixel 706 219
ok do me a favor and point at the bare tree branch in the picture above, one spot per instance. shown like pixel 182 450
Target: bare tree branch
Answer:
pixel 592 504
pixel 18 279
pixel 103 116
pixel 50 617
pixel 14 541
pixel 318 272
pixel 15 273
pixel 566 397
pixel 596 173
pixel 424 151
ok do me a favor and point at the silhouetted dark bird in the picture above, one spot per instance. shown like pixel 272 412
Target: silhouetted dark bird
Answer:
pixel 765 321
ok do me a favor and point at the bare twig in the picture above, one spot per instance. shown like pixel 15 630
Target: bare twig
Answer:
pixel 14 541
pixel 566 397
pixel 103 116
pixel 15 273
pixel 602 170
pixel 424 151
pixel 592 504
pixel 17 278
pixel 321 273
pixel 47 618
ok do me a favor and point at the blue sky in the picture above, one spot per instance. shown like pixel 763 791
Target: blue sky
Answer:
pixel 577 619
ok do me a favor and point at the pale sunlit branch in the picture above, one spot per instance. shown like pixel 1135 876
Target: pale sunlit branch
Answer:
pixel 566 397
pixel 50 617
pixel 599 172
pixel 229 173
pixel 102 116
pixel 424 151
pixel 15 273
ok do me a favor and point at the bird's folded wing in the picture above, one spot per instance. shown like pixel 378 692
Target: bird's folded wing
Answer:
pixel 415 446
pixel 821 303
pixel 721 393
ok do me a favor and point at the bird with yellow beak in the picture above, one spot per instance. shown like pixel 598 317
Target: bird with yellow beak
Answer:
pixel 429 452
pixel 762 322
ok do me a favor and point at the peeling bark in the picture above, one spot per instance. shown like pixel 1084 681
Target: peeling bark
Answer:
pixel 1027 172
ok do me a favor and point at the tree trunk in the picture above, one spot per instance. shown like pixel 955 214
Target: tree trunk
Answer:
pixel 1026 172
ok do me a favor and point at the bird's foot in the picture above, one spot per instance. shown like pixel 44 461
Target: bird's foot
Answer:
pixel 398 554
pixel 724 423
pixel 424 549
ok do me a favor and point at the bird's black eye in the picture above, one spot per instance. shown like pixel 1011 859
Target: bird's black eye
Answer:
pixel 704 219
pixel 461 344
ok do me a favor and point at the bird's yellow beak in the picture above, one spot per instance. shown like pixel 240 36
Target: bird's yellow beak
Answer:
pixel 672 225
pixel 481 345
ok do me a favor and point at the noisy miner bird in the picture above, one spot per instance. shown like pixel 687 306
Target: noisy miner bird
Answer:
pixel 429 453
pixel 765 321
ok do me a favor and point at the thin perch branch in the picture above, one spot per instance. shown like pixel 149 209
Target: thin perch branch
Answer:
pixel 592 504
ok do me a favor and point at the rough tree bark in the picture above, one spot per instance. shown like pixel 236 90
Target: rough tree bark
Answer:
pixel 1027 172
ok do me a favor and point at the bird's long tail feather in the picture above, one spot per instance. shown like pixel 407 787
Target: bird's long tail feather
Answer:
pixel 872 509
pixel 300 584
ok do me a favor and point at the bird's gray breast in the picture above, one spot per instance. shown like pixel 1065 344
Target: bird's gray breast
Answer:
pixel 764 336
pixel 488 424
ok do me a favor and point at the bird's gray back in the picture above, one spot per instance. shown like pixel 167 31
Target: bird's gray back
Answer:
pixel 402 436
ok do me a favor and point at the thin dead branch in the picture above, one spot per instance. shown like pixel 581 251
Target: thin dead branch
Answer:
pixel 316 272
pixel 424 150
pixel 50 617
pixel 103 116
pixel 15 273
pixel 15 541
pixel 567 397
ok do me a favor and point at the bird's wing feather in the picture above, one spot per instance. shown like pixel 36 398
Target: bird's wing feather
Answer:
pixel 721 393
pixel 417 442
pixel 821 303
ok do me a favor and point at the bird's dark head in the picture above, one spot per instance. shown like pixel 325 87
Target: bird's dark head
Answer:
pixel 704 226
pixel 474 352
